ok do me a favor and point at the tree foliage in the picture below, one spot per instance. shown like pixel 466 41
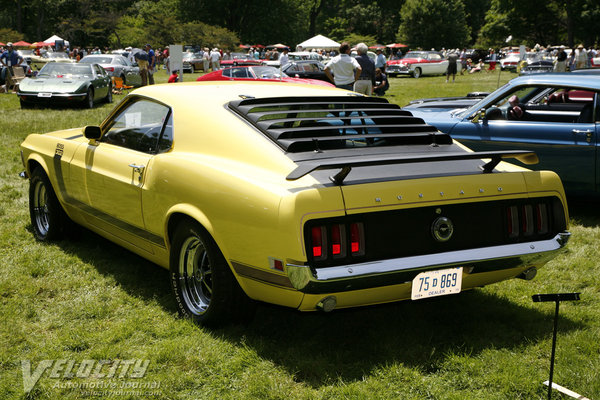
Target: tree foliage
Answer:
pixel 419 23
pixel 433 24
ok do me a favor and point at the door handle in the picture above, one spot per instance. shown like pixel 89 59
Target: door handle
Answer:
pixel 137 168
pixel 588 133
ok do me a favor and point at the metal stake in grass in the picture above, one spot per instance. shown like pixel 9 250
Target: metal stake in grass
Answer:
pixel 556 297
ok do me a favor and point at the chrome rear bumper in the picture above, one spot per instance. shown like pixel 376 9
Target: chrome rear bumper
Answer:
pixel 400 270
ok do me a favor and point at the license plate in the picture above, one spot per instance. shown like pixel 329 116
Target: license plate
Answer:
pixel 437 283
pixel 44 95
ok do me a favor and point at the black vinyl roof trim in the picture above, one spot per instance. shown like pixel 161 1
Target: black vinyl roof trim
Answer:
pixel 301 124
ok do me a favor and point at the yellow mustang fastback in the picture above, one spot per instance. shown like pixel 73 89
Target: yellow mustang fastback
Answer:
pixel 306 197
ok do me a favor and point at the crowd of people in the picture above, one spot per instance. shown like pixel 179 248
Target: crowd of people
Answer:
pixel 361 73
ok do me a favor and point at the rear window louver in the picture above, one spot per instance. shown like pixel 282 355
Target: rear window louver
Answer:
pixel 299 124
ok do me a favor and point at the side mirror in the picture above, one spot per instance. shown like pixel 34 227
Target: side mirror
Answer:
pixel 92 133
pixel 479 115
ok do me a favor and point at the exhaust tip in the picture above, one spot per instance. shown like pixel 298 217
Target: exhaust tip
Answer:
pixel 327 304
pixel 528 274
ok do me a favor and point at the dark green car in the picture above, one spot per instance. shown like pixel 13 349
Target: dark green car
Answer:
pixel 65 83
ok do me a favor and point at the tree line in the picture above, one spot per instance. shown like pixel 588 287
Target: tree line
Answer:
pixel 227 23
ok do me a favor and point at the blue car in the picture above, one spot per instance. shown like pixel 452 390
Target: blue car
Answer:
pixel 556 115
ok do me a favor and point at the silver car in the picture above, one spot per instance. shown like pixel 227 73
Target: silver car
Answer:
pixel 117 66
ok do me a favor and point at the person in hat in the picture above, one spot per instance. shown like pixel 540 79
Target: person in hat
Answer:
pixel 580 57
pixel 561 60
pixel 151 63
pixel 215 59
pixel 380 60
pixel 174 76
pixel 9 59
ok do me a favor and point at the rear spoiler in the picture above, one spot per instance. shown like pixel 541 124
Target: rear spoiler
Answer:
pixel 525 156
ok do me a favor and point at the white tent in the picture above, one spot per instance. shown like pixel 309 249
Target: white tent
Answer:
pixel 319 42
pixel 53 39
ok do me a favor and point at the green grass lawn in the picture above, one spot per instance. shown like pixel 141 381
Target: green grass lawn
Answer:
pixel 87 299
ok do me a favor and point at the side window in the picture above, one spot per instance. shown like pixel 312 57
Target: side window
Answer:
pixel 166 139
pixel 98 70
pixel 140 126
pixel 227 73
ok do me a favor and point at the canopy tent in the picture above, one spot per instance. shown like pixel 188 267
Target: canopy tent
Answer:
pixel 39 44
pixel 277 46
pixel 319 42
pixel 377 46
pixel 2 44
pixel 52 39
pixel 21 43
pixel 396 45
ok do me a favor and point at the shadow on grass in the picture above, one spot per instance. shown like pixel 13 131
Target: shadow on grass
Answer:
pixel 346 345
pixel 584 211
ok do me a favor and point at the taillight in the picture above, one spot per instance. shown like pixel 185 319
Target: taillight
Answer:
pixel 111 69
pixel 357 239
pixel 337 241
pixel 527 220
pixel 318 236
pixel 542 218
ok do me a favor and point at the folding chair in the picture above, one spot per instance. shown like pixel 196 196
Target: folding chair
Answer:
pixel 118 85
pixel 14 78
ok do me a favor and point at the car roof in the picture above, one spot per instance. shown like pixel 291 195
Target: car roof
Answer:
pixel 559 79
pixel 221 92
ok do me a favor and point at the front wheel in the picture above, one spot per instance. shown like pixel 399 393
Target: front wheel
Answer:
pixel 204 287
pixel 89 99
pixel 48 218
pixel 417 73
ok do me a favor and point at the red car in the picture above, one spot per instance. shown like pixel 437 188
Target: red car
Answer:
pixel 238 59
pixel 417 63
pixel 262 73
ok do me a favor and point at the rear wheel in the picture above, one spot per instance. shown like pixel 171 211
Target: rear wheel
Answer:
pixel 25 105
pixel 109 95
pixel 417 73
pixel 204 287
pixel 48 218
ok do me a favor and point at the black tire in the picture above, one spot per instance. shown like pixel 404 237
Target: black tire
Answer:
pixel 204 287
pixel 109 95
pixel 124 80
pixel 89 99
pixel 25 105
pixel 48 219
pixel 417 73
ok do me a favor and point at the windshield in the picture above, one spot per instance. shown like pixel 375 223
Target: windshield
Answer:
pixel 268 73
pixel 475 107
pixel 56 55
pixel 60 70
pixel 416 54
pixel 96 60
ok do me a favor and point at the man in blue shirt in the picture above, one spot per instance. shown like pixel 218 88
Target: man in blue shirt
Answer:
pixel 380 60
pixel 9 59
pixel 151 64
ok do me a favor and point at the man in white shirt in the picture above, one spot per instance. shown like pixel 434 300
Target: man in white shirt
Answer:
pixel 284 59
pixel 342 69
pixel 215 59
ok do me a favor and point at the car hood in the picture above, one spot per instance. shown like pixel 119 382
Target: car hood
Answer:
pixel 445 104
pixel 306 80
pixel 55 85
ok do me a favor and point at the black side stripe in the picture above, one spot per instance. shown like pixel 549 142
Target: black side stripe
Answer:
pixel 134 230
pixel 261 275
